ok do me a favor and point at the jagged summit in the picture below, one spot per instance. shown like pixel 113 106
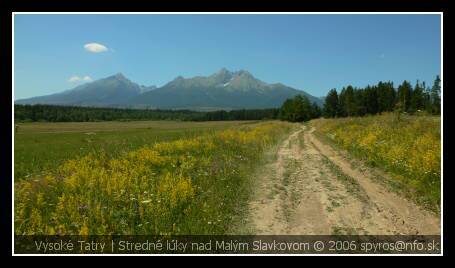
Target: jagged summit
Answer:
pixel 119 76
pixel 223 71
pixel 224 89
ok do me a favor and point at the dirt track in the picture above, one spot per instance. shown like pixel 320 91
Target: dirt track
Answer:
pixel 313 189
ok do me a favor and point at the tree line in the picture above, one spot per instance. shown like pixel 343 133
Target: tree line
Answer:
pixel 55 113
pixel 299 109
pixel 384 97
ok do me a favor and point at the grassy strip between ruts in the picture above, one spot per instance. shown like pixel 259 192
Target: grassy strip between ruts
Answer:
pixel 408 148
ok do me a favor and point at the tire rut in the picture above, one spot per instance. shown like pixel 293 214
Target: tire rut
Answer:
pixel 312 190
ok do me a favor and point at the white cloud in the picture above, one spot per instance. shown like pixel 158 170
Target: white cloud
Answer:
pixel 74 79
pixel 77 79
pixel 95 47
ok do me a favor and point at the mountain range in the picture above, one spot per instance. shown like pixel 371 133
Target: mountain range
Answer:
pixel 223 90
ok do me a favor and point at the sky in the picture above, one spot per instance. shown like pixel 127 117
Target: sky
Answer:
pixel 310 52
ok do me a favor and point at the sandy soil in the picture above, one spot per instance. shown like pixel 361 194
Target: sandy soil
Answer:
pixel 312 189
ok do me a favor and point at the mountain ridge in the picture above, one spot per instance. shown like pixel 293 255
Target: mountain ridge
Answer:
pixel 224 90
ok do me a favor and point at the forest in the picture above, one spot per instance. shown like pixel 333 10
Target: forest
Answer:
pixel 55 113
pixel 384 97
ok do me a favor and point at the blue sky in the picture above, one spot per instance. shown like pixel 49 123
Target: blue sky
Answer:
pixel 309 52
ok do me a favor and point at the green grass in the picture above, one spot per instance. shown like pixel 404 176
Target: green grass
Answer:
pixel 352 186
pixel 41 147
pixel 190 185
pixel 408 150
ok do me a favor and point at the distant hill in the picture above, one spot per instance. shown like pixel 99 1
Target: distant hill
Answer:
pixel 111 91
pixel 224 90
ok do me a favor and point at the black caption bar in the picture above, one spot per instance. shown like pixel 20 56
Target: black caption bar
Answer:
pixel 229 244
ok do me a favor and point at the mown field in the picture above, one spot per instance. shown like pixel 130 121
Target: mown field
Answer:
pixel 136 177
pixel 408 148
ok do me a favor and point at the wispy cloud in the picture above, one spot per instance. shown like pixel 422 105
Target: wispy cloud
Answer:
pixel 95 47
pixel 77 79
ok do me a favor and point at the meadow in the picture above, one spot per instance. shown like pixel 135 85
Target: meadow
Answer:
pixel 149 178
pixel 172 178
pixel 40 148
pixel 407 147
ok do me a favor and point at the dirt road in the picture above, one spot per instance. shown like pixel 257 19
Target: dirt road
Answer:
pixel 312 189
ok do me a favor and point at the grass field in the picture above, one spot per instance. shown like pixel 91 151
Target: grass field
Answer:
pixel 137 178
pixel 171 178
pixel 407 148
pixel 41 147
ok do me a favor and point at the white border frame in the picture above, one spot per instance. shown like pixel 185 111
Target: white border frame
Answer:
pixel 230 13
